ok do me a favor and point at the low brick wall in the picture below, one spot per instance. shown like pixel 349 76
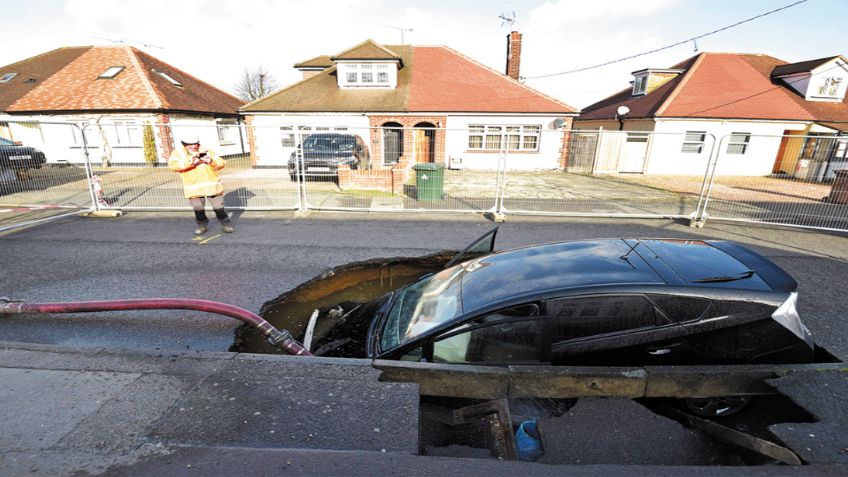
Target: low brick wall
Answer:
pixel 386 180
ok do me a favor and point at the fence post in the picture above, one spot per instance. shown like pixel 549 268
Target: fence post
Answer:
pixel 302 206
pixel 709 179
pixel 89 173
pixel 496 214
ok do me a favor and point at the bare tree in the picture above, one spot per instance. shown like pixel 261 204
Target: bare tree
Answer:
pixel 255 84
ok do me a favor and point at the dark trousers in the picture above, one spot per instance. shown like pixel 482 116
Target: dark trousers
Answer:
pixel 217 203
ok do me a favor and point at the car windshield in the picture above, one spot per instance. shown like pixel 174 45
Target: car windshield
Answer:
pixel 329 143
pixel 423 306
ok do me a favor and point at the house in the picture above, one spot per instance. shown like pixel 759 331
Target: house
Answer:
pixel 414 104
pixel 750 105
pixel 116 92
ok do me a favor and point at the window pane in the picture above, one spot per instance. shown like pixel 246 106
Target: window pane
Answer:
pixel 367 77
pixel 493 141
pixel 513 129
pixel 531 142
pixel 513 141
pixel 510 342
pixel 476 129
pixel 579 317
pixel 475 142
pixel 287 136
pixel 681 308
pixel 351 77
pixel 692 147
pixel 695 136
pixel 532 129
pixel 736 148
pixel 382 77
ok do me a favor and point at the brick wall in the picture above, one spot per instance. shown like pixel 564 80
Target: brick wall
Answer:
pixel 385 179
pixel 513 55
pixel 566 140
pixel 408 123
pixel 166 138
pixel 251 140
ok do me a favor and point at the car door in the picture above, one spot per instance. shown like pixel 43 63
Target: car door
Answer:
pixel 482 245
pixel 619 330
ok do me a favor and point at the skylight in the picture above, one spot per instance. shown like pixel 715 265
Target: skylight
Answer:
pixel 111 72
pixel 7 77
pixel 168 77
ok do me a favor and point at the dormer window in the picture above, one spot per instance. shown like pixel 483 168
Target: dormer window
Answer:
pixel 7 77
pixel 111 72
pixel 367 75
pixel 640 85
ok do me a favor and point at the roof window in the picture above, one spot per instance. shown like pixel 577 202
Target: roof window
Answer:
pixel 111 72
pixel 7 77
pixel 168 77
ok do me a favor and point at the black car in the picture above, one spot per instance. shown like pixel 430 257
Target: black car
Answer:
pixel 17 157
pixel 322 153
pixel 621 302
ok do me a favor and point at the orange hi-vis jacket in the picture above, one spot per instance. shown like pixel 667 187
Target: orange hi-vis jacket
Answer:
pixel 201 180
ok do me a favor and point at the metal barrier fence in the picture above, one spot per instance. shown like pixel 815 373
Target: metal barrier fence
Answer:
pixel 499 169
pixel 37 181
pixel 800 182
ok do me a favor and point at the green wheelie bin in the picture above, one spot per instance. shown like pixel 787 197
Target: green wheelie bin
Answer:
pixel 429 180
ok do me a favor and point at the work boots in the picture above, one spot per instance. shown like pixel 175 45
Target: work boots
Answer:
pixel 200 230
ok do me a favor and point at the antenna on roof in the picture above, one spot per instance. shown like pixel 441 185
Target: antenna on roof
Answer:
pixel 127 41
pixel 695 42
pixel 507 19
pixel 402 29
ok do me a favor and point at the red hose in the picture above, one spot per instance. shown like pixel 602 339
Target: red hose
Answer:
pixel 283 339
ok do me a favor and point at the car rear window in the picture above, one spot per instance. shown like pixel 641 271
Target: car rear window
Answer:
pixel 699 263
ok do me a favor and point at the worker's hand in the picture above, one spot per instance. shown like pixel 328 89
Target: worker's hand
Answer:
pixel 195 161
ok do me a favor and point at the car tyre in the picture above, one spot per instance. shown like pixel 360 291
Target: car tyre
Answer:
pixel 721 406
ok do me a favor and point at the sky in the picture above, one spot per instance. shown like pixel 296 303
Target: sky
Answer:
pixel 216 40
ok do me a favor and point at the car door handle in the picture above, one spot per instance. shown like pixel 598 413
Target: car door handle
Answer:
pixel 659 351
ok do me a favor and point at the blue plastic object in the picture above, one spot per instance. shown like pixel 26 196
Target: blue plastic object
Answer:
pixel 528 441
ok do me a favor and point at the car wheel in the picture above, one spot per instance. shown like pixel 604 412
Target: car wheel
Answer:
pixel 716 406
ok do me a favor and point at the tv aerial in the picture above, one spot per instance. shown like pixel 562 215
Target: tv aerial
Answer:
pixel 128 41
pixel 402 30
pixel 507 18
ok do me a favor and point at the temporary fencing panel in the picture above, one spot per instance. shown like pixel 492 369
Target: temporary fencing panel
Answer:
pixel 801 186
pixel 43 172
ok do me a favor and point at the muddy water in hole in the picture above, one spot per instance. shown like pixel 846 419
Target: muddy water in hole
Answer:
pixel 357 282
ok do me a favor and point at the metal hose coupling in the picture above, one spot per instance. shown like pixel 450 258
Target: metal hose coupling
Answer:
pixel 286 342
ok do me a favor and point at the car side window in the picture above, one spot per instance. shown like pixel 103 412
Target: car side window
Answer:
pixel 681 308
pixel 499 342
pixel 589 316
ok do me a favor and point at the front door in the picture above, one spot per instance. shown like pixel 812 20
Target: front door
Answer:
pixel 392 145
pixel 424 140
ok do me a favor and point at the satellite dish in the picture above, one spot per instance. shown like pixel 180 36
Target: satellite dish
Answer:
pixel 559 122
pixel 622 110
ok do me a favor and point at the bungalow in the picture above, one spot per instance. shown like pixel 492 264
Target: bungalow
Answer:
pixel 414 104
pixel 118 92
pixel 750 104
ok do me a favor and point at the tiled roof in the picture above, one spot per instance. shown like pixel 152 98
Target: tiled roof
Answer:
pixel 367 50
pixel 322 61
pixel 67 81
pixel 723 86
pixel 800 67
pixel 433 79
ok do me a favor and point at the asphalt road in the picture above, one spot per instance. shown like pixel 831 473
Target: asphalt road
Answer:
pixel 145 255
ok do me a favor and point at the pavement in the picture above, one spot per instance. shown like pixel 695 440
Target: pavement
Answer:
pixel 157 393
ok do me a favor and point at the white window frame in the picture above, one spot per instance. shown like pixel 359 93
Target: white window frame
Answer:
pixel 168 77
pixel 111 72
pixel 7 77
pixel 737 146
pixel 224 132
pixel 365 75
pixel 690 143
pixel 640 85
pixel 492 137
pixel 287 138
pixel 126 133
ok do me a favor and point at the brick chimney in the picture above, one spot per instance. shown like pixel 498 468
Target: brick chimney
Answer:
pixel 513 55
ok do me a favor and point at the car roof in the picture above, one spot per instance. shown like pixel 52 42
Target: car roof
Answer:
pixel 542 269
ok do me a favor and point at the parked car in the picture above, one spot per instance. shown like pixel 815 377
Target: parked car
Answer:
pixel 15 156
pixel 322 153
